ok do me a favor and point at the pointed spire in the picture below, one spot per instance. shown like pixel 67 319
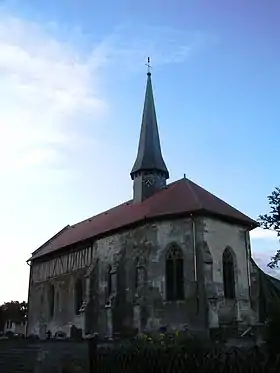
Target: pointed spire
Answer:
pixel 149 157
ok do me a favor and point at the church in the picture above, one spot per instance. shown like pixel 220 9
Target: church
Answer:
pixel 175 257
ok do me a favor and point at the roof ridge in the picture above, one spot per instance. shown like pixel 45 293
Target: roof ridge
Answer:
pixel 182 196
pixel 216 197
pixel 172 184
pixel 189 182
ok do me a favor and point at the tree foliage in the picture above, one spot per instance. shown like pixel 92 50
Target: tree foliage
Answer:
pixel 272 221
pixel 13 311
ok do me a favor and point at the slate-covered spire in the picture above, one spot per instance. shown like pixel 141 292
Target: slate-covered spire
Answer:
pixel 149 157
pixel 149 165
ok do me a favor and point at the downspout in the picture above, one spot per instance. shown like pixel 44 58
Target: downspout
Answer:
pixel 247 257
pixel 194 248
pixel 195 263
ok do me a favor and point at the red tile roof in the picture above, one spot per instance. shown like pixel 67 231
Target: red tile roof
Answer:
pixel 182 197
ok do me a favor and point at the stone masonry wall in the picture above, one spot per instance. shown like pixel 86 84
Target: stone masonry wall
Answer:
pixel 128 308
pixel 39 321
pixel 148 244
pixel 218 236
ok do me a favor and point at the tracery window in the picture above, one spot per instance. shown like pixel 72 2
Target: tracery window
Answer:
pixel 228 274
pixel 174 274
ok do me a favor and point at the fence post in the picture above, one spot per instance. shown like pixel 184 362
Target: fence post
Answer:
pixel 92 349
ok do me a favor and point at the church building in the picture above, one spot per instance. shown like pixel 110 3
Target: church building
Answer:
pixel 175 257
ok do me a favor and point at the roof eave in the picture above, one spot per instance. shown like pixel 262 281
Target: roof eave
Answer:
pixel 250 224
pixel 50 239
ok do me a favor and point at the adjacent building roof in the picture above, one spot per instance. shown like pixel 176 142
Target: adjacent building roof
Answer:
pixel 180 198
pixel 149 156
pixel 269 294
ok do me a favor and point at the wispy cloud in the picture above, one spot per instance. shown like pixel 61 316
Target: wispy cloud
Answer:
pixel 48 89
pixel 129 48
pixel 262 259
pixel 50 92
pixel 44 84
pixel 264 244
pixel 265 234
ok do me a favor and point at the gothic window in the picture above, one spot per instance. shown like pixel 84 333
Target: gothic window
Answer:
pixel 79 295
pixel 51 300
pixel 228 274
pixel 174 274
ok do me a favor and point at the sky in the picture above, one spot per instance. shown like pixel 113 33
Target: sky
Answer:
pixel 72 82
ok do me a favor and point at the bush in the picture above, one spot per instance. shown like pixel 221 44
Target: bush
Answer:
pixel 168 340
pixel 9 334
pixel 146 355
pixel 272 334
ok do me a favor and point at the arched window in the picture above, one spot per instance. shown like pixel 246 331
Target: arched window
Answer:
pixel 228 274
pixel 79 295
pixel 51 300
pixel 174 274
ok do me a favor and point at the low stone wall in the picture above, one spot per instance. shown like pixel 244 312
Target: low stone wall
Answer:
pixel 42 356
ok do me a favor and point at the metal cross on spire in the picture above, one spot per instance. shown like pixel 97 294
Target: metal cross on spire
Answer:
pixel 148 66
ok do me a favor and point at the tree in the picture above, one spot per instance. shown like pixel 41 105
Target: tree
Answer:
pixel 14 311
pixel 2 319
pixel 272 221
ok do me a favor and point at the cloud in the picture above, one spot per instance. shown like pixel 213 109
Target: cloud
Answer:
pixel 44 86
pixel 50 94
pixel 130 48
pixel 265 243
pixel 265 234
pixel 48 85
pixel 262 259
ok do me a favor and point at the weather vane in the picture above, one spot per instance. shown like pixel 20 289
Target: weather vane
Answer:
pixel 148 66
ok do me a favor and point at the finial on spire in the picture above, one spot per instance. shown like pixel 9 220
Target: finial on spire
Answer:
pixel 148 66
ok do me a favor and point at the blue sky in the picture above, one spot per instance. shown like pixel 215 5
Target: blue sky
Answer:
pixel 72 80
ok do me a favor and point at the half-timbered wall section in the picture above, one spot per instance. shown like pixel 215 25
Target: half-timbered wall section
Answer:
pixel 62 264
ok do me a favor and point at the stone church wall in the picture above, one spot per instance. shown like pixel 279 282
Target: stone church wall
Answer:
pixel 117 261
pixel 218 236
pixel 149 310
pixel 127 308
pixel 39 320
